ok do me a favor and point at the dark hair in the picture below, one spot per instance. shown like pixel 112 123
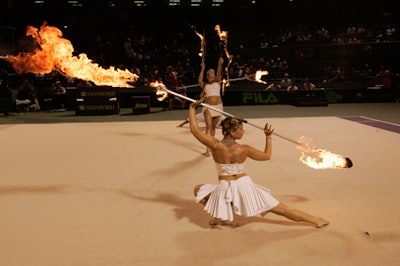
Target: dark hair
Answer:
pixel 230 123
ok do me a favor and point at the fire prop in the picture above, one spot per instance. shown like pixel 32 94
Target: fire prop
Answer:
pixel 321 159
pixel 55 53
pixel 223 36
pixel 259 74
pixel 202 53
pixel 256 77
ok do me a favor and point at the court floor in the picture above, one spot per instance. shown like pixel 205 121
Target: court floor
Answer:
pixel 119 191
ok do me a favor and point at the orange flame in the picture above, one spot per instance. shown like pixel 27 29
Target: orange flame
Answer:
pixel 160 90
pixel 324 159
pixel 321 159
pixel 223 35
pixel 203 44
pixel 259 74
pixel 55 53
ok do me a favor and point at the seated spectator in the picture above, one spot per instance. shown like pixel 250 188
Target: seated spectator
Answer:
pixel 84 84
pixel 308 85
pixel 26 97
pixel 274 86
pixel 292 86
pixel 285 82
pixel 385 77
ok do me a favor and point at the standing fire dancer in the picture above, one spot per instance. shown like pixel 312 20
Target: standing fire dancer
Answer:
pixel 212 94
pixel 236 192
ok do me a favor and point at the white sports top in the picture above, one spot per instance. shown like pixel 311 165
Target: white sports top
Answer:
pixel 229 169
pixel 212 89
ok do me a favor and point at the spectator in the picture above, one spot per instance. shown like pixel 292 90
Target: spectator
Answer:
pixel 172 83
pixel 26 97
pixel 308 85
pixel 385 76
pixel 292 86
pixel 6 97
pixel 59 94
pixel 285 82
pixel 84 84
pixel 274 86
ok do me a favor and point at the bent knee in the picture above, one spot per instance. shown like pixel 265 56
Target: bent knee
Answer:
pixel 196 189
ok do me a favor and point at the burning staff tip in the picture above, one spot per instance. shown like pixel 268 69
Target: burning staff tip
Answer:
pixel 349 163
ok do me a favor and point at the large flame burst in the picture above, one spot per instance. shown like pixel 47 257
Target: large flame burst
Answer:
pixel 55 53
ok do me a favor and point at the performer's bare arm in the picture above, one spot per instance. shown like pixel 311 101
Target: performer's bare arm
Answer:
pixel 258 155
pixel 200 135
pixel 201 75
pixel 218 74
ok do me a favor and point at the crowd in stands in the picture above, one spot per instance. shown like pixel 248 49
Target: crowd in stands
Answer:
pixel 149 51
pixel 148 56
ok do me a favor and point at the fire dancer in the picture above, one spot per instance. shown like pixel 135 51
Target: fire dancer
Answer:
pixel 236 192
pixel 212 94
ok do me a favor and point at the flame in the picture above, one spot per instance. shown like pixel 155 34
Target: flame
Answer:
pixel 55 53
pixel 324 159
pixel 160 90
pixel 223 35
pixel 321 159
pixel 203 44
pixel 259 74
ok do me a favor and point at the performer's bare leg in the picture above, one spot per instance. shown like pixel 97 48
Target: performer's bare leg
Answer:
pixel 196 189
pixel 213 221
pixel 298 215
pixel 208 120
pixel 183 123
pixel 215 121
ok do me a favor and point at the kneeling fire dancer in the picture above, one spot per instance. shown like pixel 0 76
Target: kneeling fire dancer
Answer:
pixel 236 193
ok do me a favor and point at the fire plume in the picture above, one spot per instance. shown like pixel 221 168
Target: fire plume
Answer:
pixel 53 52
pixel 321 159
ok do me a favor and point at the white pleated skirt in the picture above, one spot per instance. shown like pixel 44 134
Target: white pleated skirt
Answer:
pixel 242 197
pixel 214 113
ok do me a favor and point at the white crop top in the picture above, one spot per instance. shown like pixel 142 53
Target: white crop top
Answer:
pixel 212 89
pixel 229 169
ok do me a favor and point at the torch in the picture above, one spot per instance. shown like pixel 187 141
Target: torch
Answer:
pixel 202 53
pixel 223 44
